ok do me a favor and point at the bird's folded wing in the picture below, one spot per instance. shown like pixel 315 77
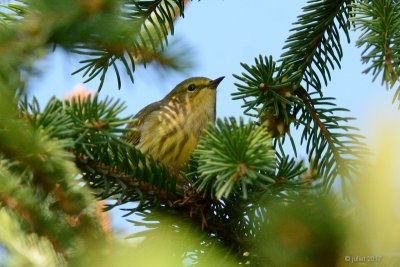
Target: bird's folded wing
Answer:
pixel 133 136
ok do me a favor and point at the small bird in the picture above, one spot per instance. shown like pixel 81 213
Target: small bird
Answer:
pixel 169 130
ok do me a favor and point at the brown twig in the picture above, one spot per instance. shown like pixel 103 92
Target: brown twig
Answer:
pixel 389 62
pixel 303 95
pixel 112 174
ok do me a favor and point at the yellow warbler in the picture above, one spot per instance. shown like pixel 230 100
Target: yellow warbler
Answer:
pixel 170 129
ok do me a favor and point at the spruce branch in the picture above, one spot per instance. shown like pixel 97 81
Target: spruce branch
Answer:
pixel 311 52
pixel 333 150
pixel 26 249
pixel 289 173
pixel 231 159
pixel 156 20
pixel 147 25
pixel 12 12
pixel 189 244
pixel 45 177
pixel 91 129
pixel 27 205
pixel 49 162
pixel 269 95
pixel 120 171
pixel 379 22
pixel 235 220
pixel 104 32
pixel 43 23
pixel 54 122
pixel 262 84
pixel 315 46
pixel 112 172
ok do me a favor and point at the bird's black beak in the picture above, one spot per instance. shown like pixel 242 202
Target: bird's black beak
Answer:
pixel 214 83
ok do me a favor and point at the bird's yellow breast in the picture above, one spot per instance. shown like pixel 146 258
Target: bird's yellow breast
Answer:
pixel 172 133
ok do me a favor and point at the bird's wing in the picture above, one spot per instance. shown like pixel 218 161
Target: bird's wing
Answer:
pixel 133 136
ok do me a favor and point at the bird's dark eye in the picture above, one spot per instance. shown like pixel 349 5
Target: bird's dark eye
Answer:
pixel 192 87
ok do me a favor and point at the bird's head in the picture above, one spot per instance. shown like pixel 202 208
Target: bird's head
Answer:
pixel 196 91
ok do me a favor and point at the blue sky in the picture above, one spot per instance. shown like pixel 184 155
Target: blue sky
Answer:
pixel 222 34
